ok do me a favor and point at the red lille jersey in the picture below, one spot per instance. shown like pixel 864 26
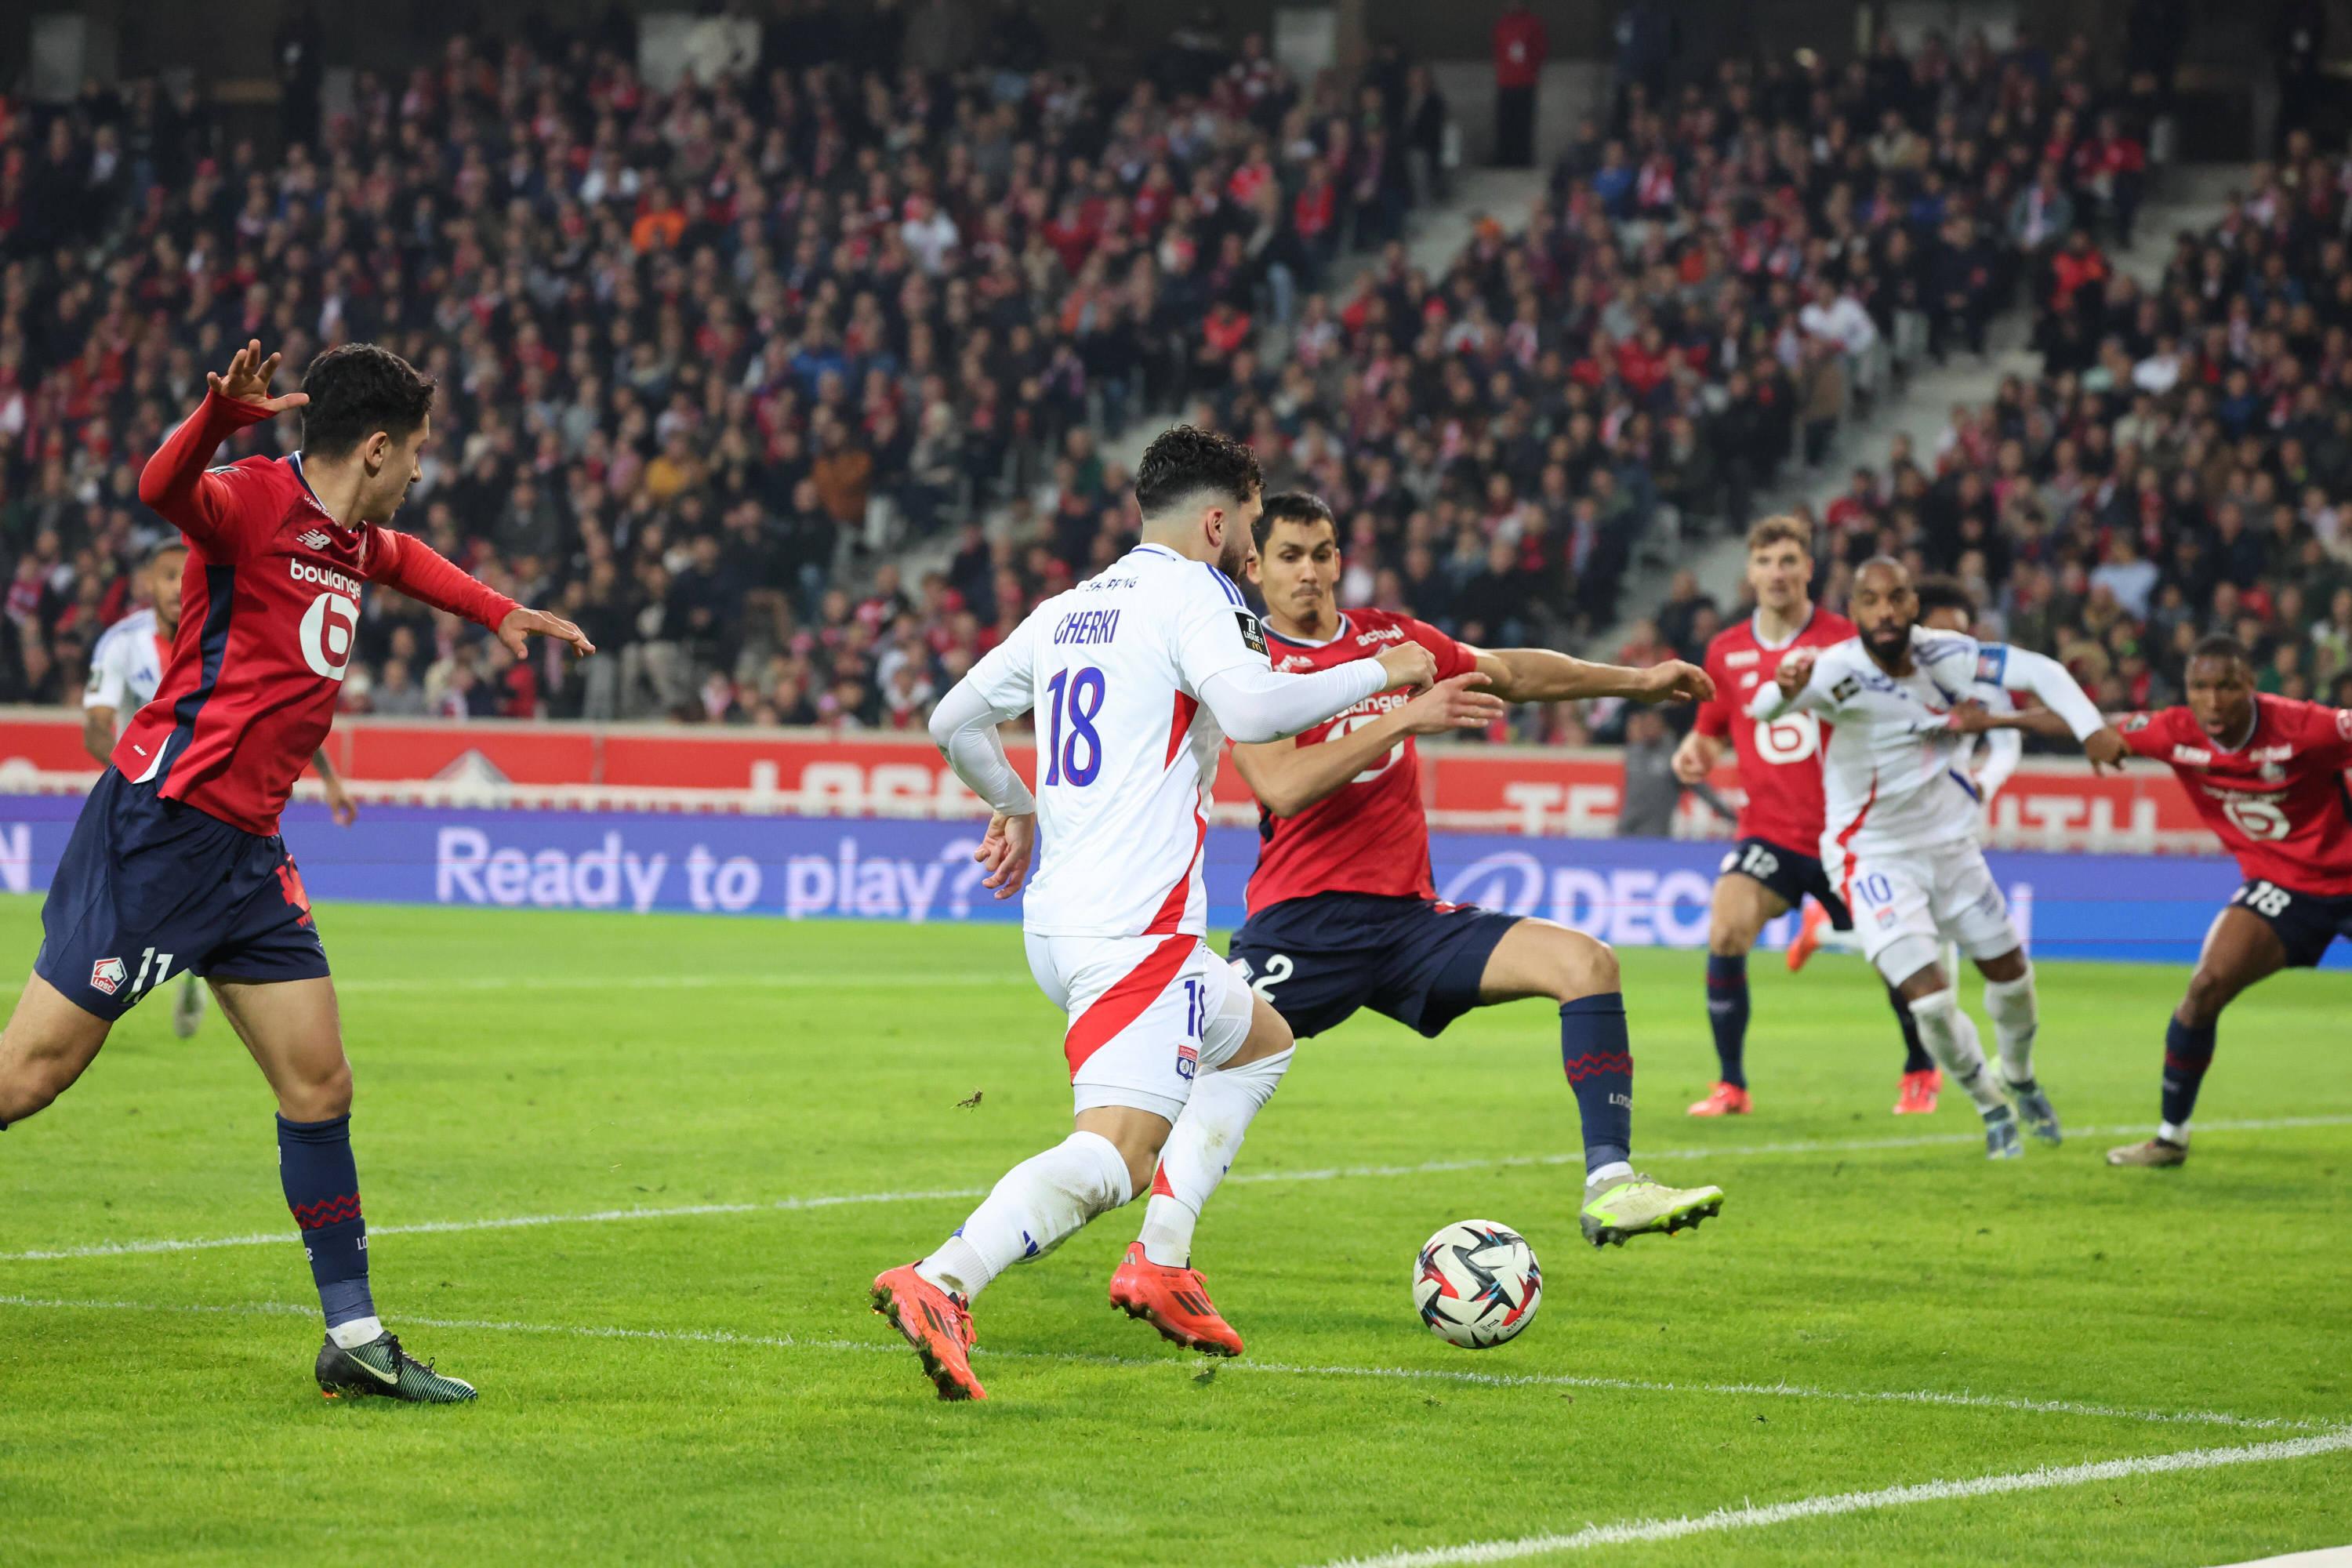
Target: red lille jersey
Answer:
pixel 2278 801
pixel 1370 835
pixel 269 606
pixel 1780 762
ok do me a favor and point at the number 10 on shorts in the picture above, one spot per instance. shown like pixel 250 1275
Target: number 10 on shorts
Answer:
pixel 1196 1015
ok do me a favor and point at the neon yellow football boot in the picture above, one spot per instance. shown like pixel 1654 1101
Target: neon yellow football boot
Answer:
pixel 1617 1207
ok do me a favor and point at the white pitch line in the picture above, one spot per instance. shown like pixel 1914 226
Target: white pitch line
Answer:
pixel 1323 1173
pixel 1278 1369
pixel 2047 1478
pixel 674 981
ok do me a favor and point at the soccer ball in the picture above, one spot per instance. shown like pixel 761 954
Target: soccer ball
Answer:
pixel 1476 1284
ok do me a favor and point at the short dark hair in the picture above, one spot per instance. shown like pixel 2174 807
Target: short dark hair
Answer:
pixel 1185 460
pixel 358 389
pixel 1945 594
pixel 1292 505
pixel 2223 645
pixel 167 547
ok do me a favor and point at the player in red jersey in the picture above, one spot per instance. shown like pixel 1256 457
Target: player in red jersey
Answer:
pixel 175 860
pixel 1775 862
pixel 1343 913
pixel 2267 774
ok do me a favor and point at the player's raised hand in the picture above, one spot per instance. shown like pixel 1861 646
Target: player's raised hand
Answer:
pixel 247 380
pixel 521 623
pixel 1674 681
pixel 1452 704
pixel 1409 665
pixel 1005 849
pixel 1794 671
pixel 2105 748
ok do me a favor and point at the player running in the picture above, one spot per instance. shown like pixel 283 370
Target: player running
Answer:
pixel 1772 866
pixel 1343 913
pixel 125 668
pixel 1902 838
pixel 1136 675
pixel 1988 760
pixel 2267 774
pixel 175 861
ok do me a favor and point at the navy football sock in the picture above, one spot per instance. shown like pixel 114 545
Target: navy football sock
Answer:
pixel 1726 1010
pixel 322 1188
pixel 1915 1055
pixel 1599 1061
pixel 2187 1053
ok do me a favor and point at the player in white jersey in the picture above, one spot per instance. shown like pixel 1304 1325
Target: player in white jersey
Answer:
pixel 1136 677
pixel 1988 760
pixel 125 668
pixel 1901 829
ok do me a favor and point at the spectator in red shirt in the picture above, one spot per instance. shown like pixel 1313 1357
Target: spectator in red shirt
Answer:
pixel 1520 46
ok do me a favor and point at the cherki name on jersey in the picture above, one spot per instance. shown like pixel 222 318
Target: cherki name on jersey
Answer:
pixel 1087 627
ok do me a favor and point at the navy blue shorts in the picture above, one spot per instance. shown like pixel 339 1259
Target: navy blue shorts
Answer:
pixel 1790 873
pixel 1318 958
pixel 149 888
pixel 2306 923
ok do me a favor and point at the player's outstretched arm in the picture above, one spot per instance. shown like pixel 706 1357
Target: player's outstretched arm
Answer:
pixel 1288 777
pixel 1790 689
pixel 176 481
pixel 404 562
pixel 1540 675
pixel 2023 670
pixel 1252 704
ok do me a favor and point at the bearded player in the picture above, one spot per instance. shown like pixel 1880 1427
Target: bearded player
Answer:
pixel 1901 831
pixel 125 668
pixel 1343 913
pixel 1774 865
pixel 175 862
pixel 2267 774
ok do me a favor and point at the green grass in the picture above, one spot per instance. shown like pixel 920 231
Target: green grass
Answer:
pixel 512 1064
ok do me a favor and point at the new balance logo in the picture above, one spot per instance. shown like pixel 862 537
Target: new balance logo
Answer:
pixel 313 539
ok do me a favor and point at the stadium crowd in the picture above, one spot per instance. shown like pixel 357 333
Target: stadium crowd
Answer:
pixel 706 354
pixel 714 359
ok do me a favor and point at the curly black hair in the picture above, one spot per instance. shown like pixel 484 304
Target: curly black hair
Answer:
pixel 358 389
pixel 1945 594
pixel 1185 460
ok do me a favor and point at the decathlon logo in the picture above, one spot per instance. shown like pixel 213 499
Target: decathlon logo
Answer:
pixel 329 626
pixel 1511 881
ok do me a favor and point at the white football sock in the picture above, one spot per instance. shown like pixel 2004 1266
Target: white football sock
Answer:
pixel 1201 1148
pixel 357 1332
pixel 2015 1018
pixel 1951 1037
pixel 1832 939
pixel 1038 1205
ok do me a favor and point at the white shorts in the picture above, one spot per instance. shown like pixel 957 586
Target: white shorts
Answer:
pixel 1905 904
pixel 1147 1013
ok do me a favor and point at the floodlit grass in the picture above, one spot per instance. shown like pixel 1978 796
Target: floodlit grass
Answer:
pixel 680 1386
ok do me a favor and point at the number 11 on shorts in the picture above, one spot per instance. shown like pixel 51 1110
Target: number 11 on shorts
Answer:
pixel 162 971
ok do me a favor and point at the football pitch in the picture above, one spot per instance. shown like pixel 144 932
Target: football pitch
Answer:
pixel 631 1176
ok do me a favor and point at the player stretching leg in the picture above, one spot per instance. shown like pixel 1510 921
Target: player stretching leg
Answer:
pixel 1772 866
pixel 125 668
pixel 1343 914
pixel 1902 835
pixel 176 861
pixel 2265 774
pixel 1137 675
pixel 1944 606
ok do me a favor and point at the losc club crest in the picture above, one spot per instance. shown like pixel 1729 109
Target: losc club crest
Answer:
pixel 108 975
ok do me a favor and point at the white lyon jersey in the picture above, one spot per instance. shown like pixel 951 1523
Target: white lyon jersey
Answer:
pixel 1126 750
pixel 126 665
pixel 1894 777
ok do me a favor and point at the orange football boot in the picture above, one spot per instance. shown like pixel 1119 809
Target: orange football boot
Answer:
pixel 1919 1091
pixel 937 1324
pixel 1809 935
pixel 1723 1100
pixel 1173 1301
